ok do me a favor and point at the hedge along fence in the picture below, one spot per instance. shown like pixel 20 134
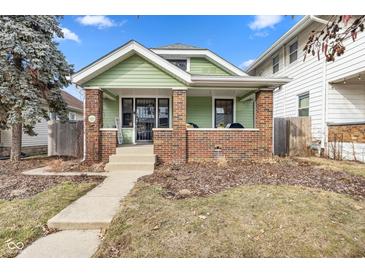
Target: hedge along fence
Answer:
pixel 66 139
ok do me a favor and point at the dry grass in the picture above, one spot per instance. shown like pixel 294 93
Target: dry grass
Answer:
pixel 355 168
pixel 24 220
pixel 245 221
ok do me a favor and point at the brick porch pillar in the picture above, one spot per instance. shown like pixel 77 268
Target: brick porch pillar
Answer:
pixel 179 125
pixel 93 121
pixel 264 121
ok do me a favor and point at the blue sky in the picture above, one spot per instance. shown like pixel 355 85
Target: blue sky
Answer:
pixel 238 39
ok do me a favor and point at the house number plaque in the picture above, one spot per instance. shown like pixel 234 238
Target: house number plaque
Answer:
pixel 91 118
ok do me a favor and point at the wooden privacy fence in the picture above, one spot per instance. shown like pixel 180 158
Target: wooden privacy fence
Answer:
pixel 292 136
pixel 65 139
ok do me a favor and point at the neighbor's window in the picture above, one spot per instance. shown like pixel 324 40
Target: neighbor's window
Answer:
pixel 181 63
pixel 275 64
pixel 163 113
pixel 303 108
pixel 223 112
pixel 293 52
pixel 127 112
pixel 72 116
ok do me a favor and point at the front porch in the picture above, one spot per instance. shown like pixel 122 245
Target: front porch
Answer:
pixel 183 124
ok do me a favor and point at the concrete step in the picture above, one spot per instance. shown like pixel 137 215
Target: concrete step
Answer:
pixel 131 166
pixel 137 149
pixel 126 158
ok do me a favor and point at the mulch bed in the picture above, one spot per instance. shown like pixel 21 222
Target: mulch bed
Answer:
pixel 13 184
pixel 201 179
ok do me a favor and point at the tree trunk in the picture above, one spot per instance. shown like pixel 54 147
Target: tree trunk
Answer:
pixel 16 142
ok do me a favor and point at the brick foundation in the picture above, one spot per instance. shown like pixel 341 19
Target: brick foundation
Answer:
pixel 108 144
pixel 351 133
pixel 93 107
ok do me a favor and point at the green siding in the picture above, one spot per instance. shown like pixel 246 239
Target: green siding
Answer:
pixel 110 111
pixel 127 135
pixel 134 72
pixel 202 66
pixel 245 113
pixel 199 111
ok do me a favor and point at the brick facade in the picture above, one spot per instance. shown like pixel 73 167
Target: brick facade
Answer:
pixel 108 144
pixel 352 133
pixel 181 145
pixel 179 125
pixel 162 145
pixel 264 121
pixel 93 106
pixel 233 144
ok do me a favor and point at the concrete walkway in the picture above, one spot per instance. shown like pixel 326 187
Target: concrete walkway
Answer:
pixel 83 219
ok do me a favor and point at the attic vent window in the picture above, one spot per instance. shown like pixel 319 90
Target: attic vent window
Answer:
pixel 180 63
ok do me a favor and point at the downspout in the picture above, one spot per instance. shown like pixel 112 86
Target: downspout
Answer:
pixel 84 114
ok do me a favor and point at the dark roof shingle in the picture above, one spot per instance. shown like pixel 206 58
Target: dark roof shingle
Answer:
pixel 178 46
pixel 72 101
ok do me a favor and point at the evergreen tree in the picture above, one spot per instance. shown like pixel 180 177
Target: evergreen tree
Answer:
pixel 32 73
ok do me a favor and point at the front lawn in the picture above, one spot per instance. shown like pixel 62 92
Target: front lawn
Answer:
pixel 352 167
pixel 24 220
pixel 184 212
pixel 28 202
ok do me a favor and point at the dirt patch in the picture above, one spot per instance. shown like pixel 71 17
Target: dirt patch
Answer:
pixel 13 184
pixel 61 165
pixel 201 179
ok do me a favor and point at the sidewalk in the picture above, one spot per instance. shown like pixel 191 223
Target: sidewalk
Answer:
pixel 83 219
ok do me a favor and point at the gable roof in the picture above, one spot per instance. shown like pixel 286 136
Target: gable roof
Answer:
pixel 152 55
pixel 130 48
pixel 178 46
pixel 285 38
pixel 72 101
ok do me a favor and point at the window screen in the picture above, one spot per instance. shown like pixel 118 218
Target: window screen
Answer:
pixel 293 52
pixel 163 112
pixel 223 112
pixel 303 108
pixel 127 112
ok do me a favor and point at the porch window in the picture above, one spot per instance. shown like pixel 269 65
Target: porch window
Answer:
pixel 223 112
pixel 293 52
pixel 303 108
pixel 163 113
pixel 275 63
pixel 127 112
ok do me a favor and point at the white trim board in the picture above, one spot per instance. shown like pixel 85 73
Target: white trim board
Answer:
pixel 211 56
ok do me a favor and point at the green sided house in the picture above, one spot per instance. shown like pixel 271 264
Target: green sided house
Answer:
pixel 182 99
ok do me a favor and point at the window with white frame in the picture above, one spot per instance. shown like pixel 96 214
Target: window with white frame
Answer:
pixel 223 112
pixel 180 63
pixel 293 52
pixel 303 105
pixel 275 63
pixel 72 116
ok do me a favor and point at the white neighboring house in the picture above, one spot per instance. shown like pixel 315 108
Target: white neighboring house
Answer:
pixel 38 144
pixel 331 93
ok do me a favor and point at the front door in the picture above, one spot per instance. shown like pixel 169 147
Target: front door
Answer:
pixel 145 118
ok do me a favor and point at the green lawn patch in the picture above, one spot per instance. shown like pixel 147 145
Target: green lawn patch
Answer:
pixel 23 220
pixel 243 221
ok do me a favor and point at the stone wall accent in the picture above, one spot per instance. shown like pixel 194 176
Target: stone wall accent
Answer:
pixel 108 144
pixel 93 106
pixel 233 144
pixel 351 133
